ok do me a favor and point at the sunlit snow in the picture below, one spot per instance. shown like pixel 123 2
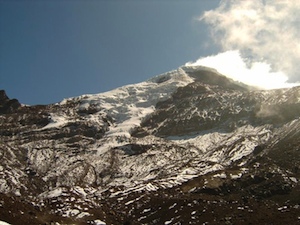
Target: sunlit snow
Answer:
pixel 4 223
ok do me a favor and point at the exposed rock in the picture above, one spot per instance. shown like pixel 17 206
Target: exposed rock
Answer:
pixel 8 105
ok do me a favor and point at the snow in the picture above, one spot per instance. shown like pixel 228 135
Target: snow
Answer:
pixel 130 202
pixel 282 208
pixel 168 222
pixel 72 212
pixel 54 193
pixel 221 175
pixel 294 179
pixel 82 214
pixel 4 223
pixel 146 210
pixel 99 222
pixel 172 206
pixel 80 191
pixel 236 176
pixel 3 185
pixel 56 121
pixel 151 187
pixel 202 157
pixel 128 105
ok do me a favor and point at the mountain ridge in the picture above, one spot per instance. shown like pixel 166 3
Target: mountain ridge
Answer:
pixel 188 137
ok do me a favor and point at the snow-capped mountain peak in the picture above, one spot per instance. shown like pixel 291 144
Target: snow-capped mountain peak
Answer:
pixel 182 141
pixel 129 104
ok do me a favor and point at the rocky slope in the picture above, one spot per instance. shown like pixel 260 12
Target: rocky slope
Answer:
pixel 186 147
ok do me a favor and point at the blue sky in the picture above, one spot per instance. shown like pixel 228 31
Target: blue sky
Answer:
pixel 50 50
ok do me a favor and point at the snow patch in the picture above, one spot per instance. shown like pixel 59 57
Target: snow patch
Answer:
pixel 55 122
pixel 4 223
pixel 99 222
pixel 54 193
pixel 294 179
pixel 221 175
pixel 169 222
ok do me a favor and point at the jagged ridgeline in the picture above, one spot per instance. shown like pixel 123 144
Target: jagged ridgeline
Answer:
pixel 186 147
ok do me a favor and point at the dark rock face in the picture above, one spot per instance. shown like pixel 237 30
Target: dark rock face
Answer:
pixel 8 105
pixel 213 152
pixel 199 107
pixel 3 97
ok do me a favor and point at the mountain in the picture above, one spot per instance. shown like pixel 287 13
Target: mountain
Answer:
pixel 186 147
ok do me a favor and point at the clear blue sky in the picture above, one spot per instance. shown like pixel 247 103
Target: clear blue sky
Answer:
pixel 51 50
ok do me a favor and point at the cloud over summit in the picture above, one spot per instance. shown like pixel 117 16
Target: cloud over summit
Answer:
pixel 231 64
pixel 264 31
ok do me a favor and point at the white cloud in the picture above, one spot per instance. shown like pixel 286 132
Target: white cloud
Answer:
pixel 264 31
pixel 231 64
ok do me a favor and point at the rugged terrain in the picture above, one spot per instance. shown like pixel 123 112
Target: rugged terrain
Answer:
pixel 186 147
